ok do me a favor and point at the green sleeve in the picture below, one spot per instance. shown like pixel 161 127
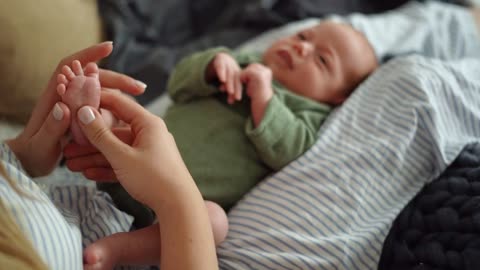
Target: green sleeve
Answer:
pixel 288 129
pixel 187 81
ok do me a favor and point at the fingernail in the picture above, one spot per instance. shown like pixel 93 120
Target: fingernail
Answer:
pixel 141 84
pixel 86 115
pixel 57 112
pixel 107 42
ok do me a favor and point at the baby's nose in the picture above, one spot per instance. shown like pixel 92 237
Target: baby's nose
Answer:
pixel 303 48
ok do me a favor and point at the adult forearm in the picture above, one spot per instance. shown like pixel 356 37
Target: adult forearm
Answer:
pixel 186 236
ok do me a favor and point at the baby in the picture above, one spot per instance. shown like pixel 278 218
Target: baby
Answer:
pixel 230 142
pixel 238 117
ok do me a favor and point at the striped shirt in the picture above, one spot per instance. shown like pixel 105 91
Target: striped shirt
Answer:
pixel 61 219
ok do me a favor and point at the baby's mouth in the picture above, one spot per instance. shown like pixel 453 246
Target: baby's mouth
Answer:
pixel 287 58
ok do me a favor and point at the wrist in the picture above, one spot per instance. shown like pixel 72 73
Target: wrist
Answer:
pixel 15 146
pixel 258 108
pixel 18 148
pixel 261 101
pixel 181 191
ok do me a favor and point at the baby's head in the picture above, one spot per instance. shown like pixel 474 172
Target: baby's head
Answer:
pixel 324 63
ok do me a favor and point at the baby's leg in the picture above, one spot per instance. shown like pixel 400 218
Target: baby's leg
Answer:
pixel 79 87
pixel 142 247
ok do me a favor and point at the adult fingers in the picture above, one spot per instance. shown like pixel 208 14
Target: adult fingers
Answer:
pixel 54 127
pixel 91 54
pixel 50 96
pixel 80 164
pixel 123 107
pixel 100 135
pixel 100 174
pixel 47 140
pixel 73 150
pixel 112 79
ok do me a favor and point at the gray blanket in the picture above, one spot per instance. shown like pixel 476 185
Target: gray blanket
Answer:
pixel 151 35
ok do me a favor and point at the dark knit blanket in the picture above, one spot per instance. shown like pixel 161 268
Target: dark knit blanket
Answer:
pixel 440 227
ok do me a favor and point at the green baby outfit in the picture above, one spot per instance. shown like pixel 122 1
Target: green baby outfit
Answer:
pixel 224 152
pixel 222 149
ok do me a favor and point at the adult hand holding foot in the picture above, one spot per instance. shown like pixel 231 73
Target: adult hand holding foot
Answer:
pixel 153 172
pixel 38 146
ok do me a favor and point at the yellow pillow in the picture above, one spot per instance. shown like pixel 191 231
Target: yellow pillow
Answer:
pixel 34 36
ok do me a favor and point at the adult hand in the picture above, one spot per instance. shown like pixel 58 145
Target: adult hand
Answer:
pixel 91 162
pixel 38 146
pixel 149 165
pixel 152 171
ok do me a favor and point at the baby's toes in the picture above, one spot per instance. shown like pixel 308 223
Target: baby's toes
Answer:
pixel 77 68
pixel 67 71
pixel 62 79
pixel 91 70
pixel 61 89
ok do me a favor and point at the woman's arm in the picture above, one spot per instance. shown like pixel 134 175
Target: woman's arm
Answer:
pixel 153 172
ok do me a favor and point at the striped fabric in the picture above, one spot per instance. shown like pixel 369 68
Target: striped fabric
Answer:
pixel 62 219
pixel 58 242
pixel 433 29
pixel 332 208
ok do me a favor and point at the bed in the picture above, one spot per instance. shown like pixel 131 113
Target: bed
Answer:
pixel 399 150
pixel 407 136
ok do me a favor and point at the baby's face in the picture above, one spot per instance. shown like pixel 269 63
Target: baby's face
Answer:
pixel 323 62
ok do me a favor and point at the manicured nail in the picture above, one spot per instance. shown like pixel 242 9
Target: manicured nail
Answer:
pixel 57 112
pixel 86 115
pixel 141 84
pixel 107 42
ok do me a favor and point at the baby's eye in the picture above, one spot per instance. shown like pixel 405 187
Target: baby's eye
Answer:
pixel 301 36
pixel 322 59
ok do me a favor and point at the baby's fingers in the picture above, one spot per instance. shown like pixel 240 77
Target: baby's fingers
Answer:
pixel 230 82
pixel 238 87
pixel 220 70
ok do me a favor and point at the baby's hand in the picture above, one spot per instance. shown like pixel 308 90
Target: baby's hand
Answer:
pixel 226 69
pixel 258 79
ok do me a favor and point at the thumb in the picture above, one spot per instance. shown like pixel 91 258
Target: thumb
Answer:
pixel 100 135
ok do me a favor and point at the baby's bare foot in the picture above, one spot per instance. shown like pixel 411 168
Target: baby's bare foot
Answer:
pixel 79 87
pixel 100 255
